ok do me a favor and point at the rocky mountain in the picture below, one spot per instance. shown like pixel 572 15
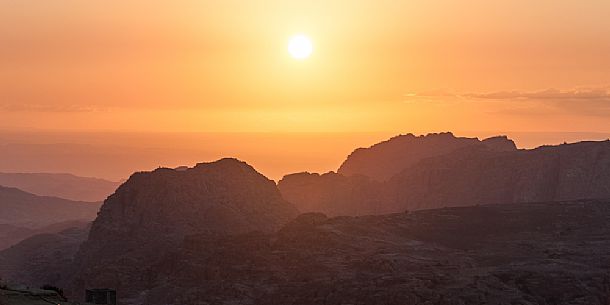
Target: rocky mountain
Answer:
pixel 334 194
pixel 551 253
pixel 480 176
pixel 22 209
pixel 383 160
pixel 45 258
pixel 472 174
pixel 60 185
pixel 151 213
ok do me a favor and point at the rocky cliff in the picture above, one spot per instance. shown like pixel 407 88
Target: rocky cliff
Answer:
pixel 479 176
pixel 383 160
pixel 491 172
pixel 151 213
pixel 335 194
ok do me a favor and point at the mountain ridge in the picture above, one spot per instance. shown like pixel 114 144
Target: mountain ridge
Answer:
pixel 62 185
pixel 467 175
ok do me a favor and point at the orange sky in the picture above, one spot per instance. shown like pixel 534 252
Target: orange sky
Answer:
pixel 391 66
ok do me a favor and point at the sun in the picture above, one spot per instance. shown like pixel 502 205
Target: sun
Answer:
pixel 300 46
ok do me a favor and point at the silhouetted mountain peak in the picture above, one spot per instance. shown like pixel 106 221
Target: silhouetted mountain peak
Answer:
pixel 152 212
pixel 385 159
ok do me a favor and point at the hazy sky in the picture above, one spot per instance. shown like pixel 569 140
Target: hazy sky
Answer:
pixel 391 66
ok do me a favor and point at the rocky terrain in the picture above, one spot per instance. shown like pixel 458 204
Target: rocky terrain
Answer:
pixel 220 233
pixel 476 176
pixel 548 253
pixel 335 194
pixel 65 186
pixel 472 174
pixel 386 159
pixel 151 213
pixel 22 209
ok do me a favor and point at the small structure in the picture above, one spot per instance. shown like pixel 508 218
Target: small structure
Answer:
pixel 100 296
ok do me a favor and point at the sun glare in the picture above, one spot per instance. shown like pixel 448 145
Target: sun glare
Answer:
pixel 300 47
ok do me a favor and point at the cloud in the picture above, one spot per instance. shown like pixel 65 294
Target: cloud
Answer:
pixel 549 94
pixel 584 101
pixel 50 108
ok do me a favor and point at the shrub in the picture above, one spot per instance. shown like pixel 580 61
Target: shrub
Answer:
pixel 59 291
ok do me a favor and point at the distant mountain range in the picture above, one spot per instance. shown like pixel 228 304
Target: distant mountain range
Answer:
pixel 441 170
pixel 23 215
pixel 23 209
pixel 65 186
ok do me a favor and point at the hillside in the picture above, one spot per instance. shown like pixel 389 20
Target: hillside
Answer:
pixel 65 186
pixel 22 209
pixel 45 258
pixel 547 253
pixel 11 235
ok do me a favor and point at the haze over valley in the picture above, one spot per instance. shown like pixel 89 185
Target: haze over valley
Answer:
pixel 304 152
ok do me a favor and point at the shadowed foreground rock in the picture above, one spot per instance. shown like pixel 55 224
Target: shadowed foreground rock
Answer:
pixel 555 253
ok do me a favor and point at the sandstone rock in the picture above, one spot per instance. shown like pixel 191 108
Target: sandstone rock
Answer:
pixel 383 160
pixel 479 176
pixel 492 172
pixel 334 194
pixel 153 212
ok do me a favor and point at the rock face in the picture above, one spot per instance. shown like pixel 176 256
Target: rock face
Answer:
pixel 151 213
pixel 490 172
pixel 334 194
pixel 506 254
pixel 383 160
pixel 479 176
pixel 60 185
pixel 22 209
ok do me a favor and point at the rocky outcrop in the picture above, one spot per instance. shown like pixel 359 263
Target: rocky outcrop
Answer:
pixel 23 209
pixel 383 160
pixel 65 186
pixel 334 194
pixel 490 173
pixel 509 254
pixel 151 213
pixel 480 176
